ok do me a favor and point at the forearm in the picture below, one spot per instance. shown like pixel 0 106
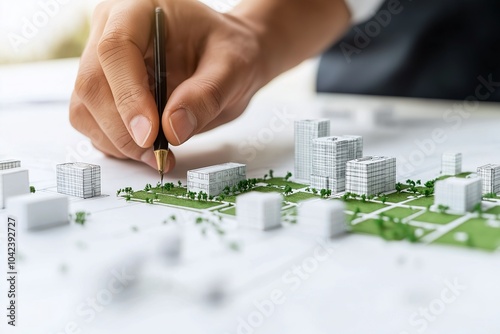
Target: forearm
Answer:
pixel 293 30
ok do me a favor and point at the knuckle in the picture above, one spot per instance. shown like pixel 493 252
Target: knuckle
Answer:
pixel 88 84
pixel 75 115
pixel 111 45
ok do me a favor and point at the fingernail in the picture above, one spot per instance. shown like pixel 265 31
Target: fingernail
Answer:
pixel 148 158
pixel 141 128
pixel 183 124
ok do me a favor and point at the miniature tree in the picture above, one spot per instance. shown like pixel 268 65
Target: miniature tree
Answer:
pixel 399 187
pixel 32 189
pixel 288 175
pixel 128 197
pixel 288 190
pixel 314 191
pixel 179 183
pixel 427 192
pixel 383 198
pixel 265 177
pixel 356 213
pixel 443 208
pixel 346 196
pixel 118 192
pixel 419 182
pixel 363 198
pixel 478 209
pixel 81 217
pixel 271 172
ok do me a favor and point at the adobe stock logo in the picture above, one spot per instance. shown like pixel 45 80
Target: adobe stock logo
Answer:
pixel 31 26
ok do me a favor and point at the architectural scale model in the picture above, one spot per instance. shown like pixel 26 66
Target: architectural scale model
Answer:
pixel 330 156
pixel 443 210
pixel 490 175
pixel 259 210
pixel 458 194
pixel 326 217
pixel 8 164
pixel 305 132
pixel 79 179
pixel 213 179
pixel 371 175
pixel 13 182
pixel 37 211
pixel 451 163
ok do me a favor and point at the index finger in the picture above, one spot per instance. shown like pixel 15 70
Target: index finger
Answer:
pixel 121 52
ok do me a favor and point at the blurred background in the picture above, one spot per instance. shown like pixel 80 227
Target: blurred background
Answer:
pixel 36 30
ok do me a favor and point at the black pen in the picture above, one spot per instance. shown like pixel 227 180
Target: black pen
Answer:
pixel 161 144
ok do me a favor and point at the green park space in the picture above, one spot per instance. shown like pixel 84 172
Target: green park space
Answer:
pixel 400 212
pixel 172 200
pixel 364 207
pixel 494 210
pixel 299 196
pixel 480 235
pixel 389 230
pixel 397 197
pixel 231 211
pixel 436 217
pixel 422 201
pixel 281 182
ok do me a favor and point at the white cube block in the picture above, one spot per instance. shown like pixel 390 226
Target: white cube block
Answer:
pixel 40 210
pixel 13 182
pixel 323 217
pixel 259 210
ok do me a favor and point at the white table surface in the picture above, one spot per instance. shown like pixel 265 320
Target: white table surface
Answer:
pixel 365 285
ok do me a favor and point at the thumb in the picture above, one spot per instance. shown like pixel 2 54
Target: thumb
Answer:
pixel 197 101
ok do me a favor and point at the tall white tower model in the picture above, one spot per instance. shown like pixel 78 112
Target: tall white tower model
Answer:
pixel 371 175
pixel 330 156
pixel 451 163
pixel 490 175
pixel 305 132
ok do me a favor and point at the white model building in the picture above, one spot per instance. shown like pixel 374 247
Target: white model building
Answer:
pixel 213 179
pixel 79 179
pixel 37 211
pixel 8 164
pixel 330 156
pixel 371 175
pixel 459 194
pixel 451 163
pixel 326 218
pixel 490 175
pixel 13 182
pixel 259 210
pixel 305 132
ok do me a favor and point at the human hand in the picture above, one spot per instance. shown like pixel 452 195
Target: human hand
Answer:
pixel 213 69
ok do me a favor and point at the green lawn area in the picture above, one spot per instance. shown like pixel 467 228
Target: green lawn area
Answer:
pixel 401 212
pixel 299 196
pixel 279 181
pixel 436 218
pixel 231 211
pixel 268 189
pixel 364 207
pixel 177 191
pixel 390 231
pixel 422 201
pixel 494 210
pixel 481 235
pixel 461 175
pixel 396 198
pixel 171 200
